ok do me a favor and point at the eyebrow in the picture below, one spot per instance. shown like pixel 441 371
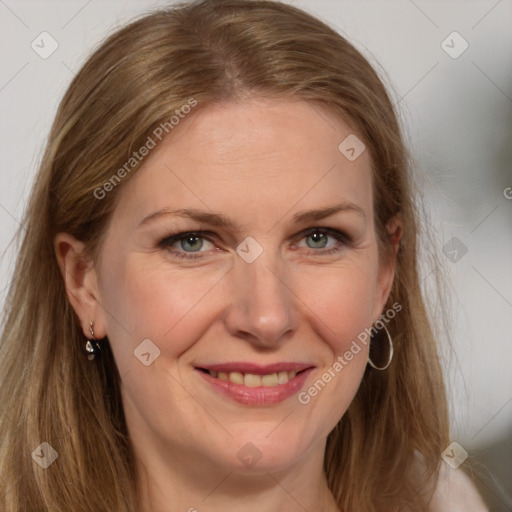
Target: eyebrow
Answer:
pixel 219 220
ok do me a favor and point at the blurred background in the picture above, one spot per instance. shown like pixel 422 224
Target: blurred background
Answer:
pixel 448 66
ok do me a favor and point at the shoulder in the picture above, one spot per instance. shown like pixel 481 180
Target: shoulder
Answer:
pixel 454 492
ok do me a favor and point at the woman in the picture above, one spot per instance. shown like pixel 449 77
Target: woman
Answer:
pixel 216 303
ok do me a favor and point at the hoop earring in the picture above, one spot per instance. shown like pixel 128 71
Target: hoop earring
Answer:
pixel 390 357
pixel 92 346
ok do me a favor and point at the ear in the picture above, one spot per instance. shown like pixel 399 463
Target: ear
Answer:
pixel 387 264
pixel 80 280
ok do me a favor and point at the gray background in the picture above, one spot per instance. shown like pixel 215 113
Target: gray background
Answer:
pixel 457 113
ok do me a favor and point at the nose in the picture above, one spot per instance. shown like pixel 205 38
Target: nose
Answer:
pixel 263 307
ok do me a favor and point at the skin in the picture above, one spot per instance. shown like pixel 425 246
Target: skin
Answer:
pixel 257 163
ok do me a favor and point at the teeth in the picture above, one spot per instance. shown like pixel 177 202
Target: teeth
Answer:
pixel 252 381
pixel 282 377
pixel 236 378
pixel 270 380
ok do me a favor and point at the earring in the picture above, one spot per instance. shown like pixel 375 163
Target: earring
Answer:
pixel 390 357
pixel 92 346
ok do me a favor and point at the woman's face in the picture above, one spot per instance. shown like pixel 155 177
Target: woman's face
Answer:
pixel 220 332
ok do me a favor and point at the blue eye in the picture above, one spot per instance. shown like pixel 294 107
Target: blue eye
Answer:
pixel 324 241
pixel 184 245
pixel 318 239
pixel 194 244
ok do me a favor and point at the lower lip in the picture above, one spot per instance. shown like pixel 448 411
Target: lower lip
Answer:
pixel 261 395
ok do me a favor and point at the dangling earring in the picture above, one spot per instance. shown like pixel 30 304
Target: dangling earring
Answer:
pixel 390 356
pixel 92 346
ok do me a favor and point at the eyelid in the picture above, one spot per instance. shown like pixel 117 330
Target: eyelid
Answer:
pixel 344 240
pixel 335 233
pixel 208 235
pixel 181 235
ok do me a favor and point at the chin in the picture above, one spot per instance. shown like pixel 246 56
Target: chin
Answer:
pixel 273 451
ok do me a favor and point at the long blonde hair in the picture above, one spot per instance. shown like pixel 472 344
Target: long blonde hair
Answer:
pixel 210 51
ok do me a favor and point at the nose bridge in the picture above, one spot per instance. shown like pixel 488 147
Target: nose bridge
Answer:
pixel 263 304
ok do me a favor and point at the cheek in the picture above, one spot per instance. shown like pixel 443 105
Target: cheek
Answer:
pixel 340 309
pixel 340 302
pixel 173 309
pixel 156 302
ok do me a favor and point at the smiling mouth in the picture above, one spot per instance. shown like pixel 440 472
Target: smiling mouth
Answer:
pixel 254 384
pixel 253 380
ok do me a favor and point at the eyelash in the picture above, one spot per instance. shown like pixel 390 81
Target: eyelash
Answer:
pixel 176 237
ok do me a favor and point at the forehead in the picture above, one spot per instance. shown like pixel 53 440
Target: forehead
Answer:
pixel 261 158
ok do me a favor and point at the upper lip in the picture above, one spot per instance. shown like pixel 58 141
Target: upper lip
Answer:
pixel 255 369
